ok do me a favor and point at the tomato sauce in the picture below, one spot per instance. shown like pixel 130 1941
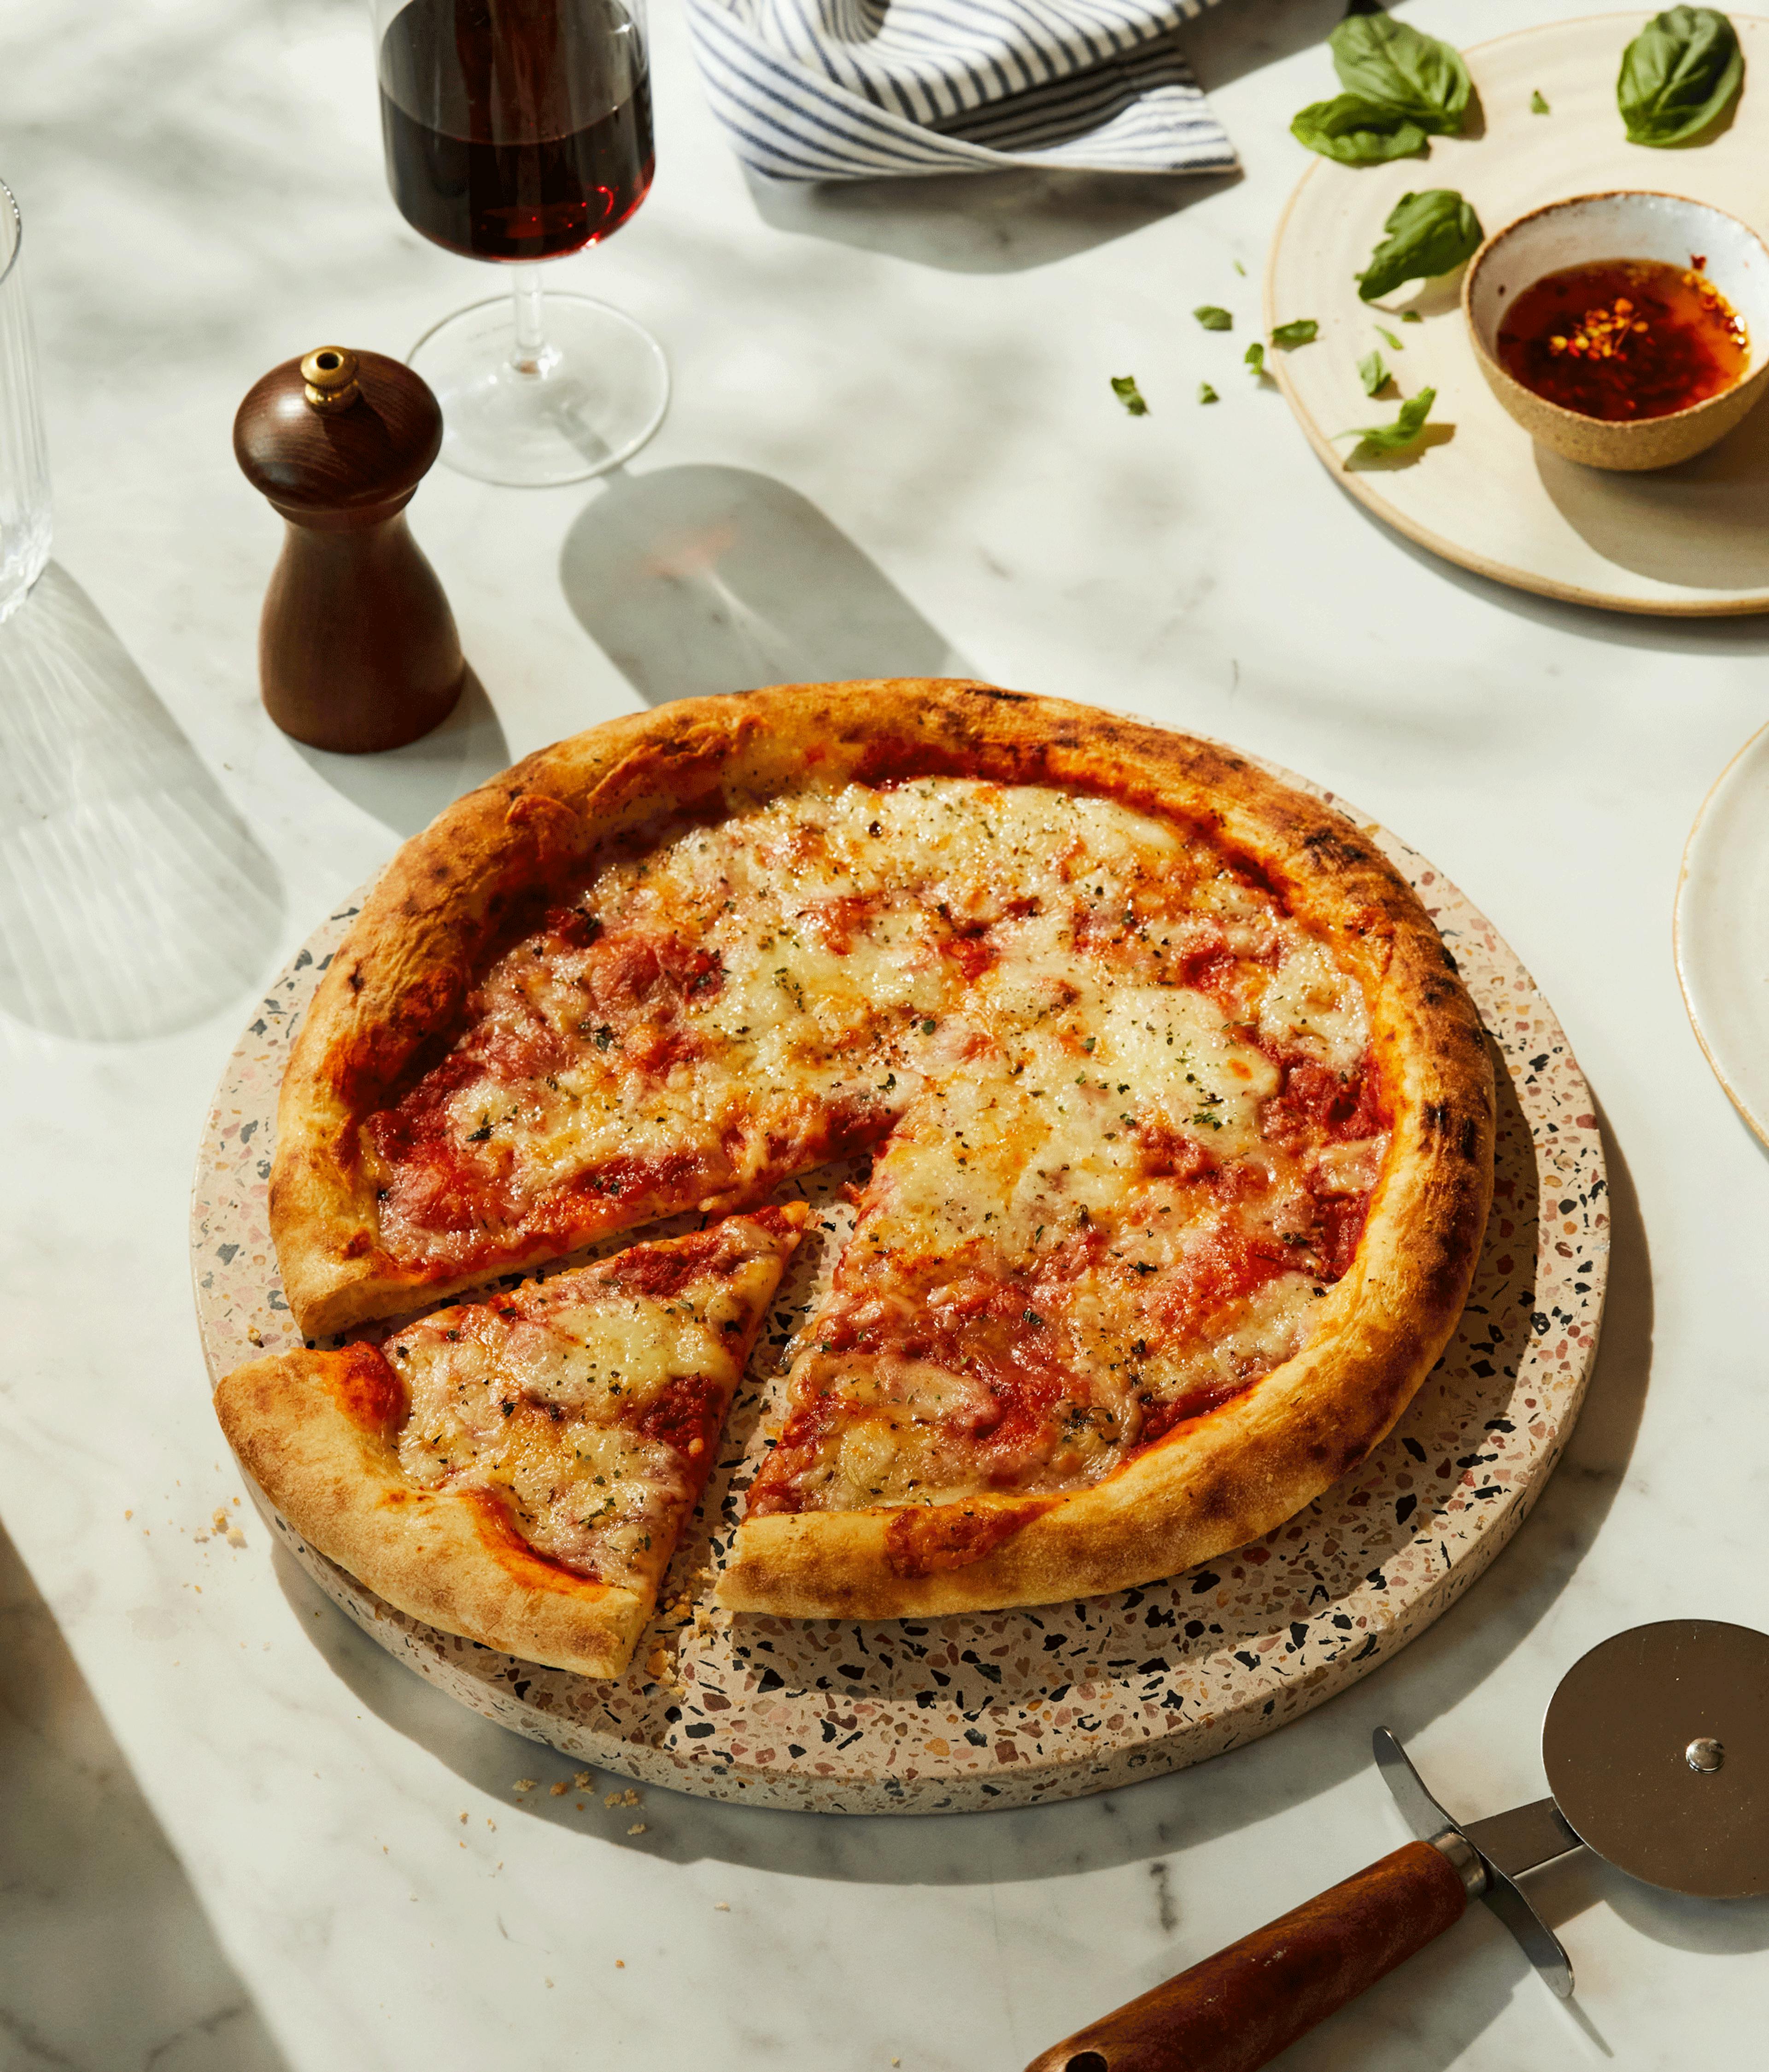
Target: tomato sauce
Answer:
pixel 684 1415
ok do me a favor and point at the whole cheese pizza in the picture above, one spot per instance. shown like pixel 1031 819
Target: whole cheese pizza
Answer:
pixel 1180 1125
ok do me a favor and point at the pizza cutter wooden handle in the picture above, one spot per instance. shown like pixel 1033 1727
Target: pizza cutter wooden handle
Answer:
pixel 1238 2009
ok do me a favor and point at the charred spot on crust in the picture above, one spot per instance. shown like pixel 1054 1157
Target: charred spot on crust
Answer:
pixel 1333 850
pixel 1214 1497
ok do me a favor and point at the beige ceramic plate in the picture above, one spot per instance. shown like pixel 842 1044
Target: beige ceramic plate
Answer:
pixel 1692 539
pixel 1722 930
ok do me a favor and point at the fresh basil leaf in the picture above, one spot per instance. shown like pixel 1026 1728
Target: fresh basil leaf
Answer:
pixel 1411 316
pixel 1406 428
pixel 1124 387
pixel 1212 318
pixel 1206 394
pixel 1255 357
pixel 1389 339
pixel 1392 64
pixel 1677 75
pixel 1428 234
pixel 1538 104
pixel 1373 371
pixel 1303 331
pixel 1356 132
pixel 1240 270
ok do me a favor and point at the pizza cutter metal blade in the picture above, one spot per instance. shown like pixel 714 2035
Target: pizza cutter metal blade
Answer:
pixel 1657 1750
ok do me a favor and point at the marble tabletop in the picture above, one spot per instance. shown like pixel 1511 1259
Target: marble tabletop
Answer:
pixel 236 1838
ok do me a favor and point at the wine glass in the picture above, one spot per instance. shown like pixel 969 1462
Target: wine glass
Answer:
pixel 517 130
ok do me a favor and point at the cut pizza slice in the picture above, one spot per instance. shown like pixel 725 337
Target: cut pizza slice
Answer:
pixel 517 1470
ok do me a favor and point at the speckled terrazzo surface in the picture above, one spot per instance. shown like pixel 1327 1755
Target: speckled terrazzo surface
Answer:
pixel 1011 1708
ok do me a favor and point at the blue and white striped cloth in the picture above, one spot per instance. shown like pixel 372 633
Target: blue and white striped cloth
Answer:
pixel 861 89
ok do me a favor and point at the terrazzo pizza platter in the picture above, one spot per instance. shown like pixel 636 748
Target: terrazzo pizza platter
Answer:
pixel 1689 540
pixel 1012 1708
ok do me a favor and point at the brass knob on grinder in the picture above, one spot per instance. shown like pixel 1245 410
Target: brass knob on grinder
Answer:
pixel 357 649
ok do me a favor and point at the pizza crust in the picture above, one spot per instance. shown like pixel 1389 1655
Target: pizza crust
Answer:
pixel 1207 1486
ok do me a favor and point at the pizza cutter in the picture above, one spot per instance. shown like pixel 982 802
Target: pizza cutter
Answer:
pixel 1656 1748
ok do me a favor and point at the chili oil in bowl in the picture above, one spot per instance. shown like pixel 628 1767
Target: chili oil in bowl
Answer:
pixel 1628 330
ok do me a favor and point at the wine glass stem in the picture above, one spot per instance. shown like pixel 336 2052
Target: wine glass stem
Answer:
pixel 530 344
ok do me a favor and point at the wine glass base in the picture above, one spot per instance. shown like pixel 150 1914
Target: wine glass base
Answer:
pixel 597 392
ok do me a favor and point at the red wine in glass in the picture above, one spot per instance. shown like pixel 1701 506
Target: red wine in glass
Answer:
pixel 519 130
pixel 516 130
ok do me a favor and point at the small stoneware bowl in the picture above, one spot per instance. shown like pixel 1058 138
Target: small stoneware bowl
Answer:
pixel 1627 224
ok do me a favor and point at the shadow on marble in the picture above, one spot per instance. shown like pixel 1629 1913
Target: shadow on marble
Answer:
pixel 701 579
pixel 1227 41
pixel 406 788
pixel 134 900
pixel 980 223
pixel 106 1957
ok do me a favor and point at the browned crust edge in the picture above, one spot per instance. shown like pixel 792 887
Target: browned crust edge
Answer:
pixel 1207 1487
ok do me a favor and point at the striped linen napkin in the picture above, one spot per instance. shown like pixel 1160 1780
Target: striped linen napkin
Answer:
pixel 861 89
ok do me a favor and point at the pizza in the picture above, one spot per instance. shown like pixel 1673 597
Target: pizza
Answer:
pixel 1179 1120
pixel 519 1469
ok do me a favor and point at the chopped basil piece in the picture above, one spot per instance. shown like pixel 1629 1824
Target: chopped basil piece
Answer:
pixel 1389 339
pixel 1206 394
pixel 1427 234
pixel 1411 316
pixel 1255 357
pixel 1124 387
pixel 1213 318
pixel 1373 371
pixel 1538 104
pixel 1303 331
pixel 1406 428
pixel 1678 74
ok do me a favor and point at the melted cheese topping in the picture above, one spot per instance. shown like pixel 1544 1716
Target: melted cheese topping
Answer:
pixel 589 1409
pixel 1129 1131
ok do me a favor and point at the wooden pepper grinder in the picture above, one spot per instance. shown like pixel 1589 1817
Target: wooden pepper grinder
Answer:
pixel 357 649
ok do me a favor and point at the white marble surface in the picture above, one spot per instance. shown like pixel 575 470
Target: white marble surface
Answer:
pixel 231 1833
